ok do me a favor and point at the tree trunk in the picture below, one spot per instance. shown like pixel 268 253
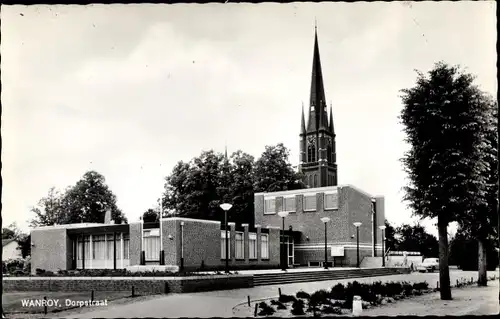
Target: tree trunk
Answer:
pixel 444 271
pixel 482 279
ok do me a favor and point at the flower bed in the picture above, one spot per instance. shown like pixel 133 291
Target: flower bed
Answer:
pixel 339 300
pixel 110 273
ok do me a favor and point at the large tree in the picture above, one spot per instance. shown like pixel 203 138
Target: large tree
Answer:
pixel 197 188
pixel 86 201
pixel 273 171
pixel 49 210
pixel 89 199
pixel 481 220
pixel 440 116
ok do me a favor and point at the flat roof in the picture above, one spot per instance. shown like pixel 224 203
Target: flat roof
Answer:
pixel 315 190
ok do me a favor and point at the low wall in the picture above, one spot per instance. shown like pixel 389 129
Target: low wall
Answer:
pixel 140 284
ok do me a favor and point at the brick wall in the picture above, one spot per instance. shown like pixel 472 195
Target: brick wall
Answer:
pixel 154 285
pixel 171 241
pixel 135 243
pixel 51 250
pixel 360 207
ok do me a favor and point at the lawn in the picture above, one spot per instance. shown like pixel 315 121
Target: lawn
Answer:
pixel 23 302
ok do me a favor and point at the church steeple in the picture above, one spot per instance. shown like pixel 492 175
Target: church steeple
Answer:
pixel 317 139
pixel 317 88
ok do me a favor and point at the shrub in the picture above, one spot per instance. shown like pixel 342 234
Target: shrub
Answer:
pixel 287 298
pixel 332 310
pixel 393 288
pixel 13 266
pixel 421 285
pixel 281 306
pixel 266 310
pixel 407 289
pixel 337 292
pixel 298 307
pixel 303 295
pixel 319 297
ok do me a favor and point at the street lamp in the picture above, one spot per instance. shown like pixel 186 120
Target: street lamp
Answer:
pixel 382 228
pixel 282 250
pixel 226 207
pixel 357 224
pixel 325 220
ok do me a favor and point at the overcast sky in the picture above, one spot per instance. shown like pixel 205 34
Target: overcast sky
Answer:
pixel 129 90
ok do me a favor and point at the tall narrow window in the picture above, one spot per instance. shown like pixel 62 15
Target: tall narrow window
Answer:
pixel 151 244
pixel 309 202
pixel 252 246
pixel 223 244
pixel 98 247
pixel 316 180
pixel 270 206
pixel 329 153
pixel 289 204
pixel 311 181
pixel 331 200
pixel 264 244
pixel 239 246
pixel 126 243
pixel 311 153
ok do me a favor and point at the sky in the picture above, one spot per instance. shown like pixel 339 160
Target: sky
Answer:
pixel 130 90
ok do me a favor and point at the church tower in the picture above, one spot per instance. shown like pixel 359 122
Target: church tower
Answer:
pixel 318 158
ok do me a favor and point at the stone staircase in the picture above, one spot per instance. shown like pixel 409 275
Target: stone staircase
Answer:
pixel 309 276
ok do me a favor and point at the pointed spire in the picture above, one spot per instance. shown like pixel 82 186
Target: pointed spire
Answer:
pixel 303 121
pixel 225 152
pixel 317 88
pixel 331 120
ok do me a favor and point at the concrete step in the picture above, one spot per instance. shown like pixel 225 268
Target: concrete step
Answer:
pixel 293 277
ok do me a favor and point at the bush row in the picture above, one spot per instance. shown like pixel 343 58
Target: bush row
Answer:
pixel 107 273
pixel 341 297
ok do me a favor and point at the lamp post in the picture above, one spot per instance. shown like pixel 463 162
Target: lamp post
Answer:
pixel 226 207
pixel 382 228
pixel 357 224
pixel 325 220
pixel 282 250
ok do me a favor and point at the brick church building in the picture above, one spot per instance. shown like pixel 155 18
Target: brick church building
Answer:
pixel 295 218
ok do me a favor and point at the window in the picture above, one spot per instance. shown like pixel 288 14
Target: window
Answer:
pixel 279 207
pixel 331 200
pixel 80 243
pixel 223 244
pixel 329 153
pixel 315 180
pixel 311 153
pixel 289 204
pixel 270 206
pixel 126 245
pixel 98 247
pixel 110 246
pixel 264 245
pixel 240 246
pixel 152 244
pixel 310 181
pixel 252 246
pixel 309 202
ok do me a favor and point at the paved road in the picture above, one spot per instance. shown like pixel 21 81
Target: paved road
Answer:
pixel 220 303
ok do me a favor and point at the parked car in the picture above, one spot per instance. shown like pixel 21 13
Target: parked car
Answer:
pixel 428 265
